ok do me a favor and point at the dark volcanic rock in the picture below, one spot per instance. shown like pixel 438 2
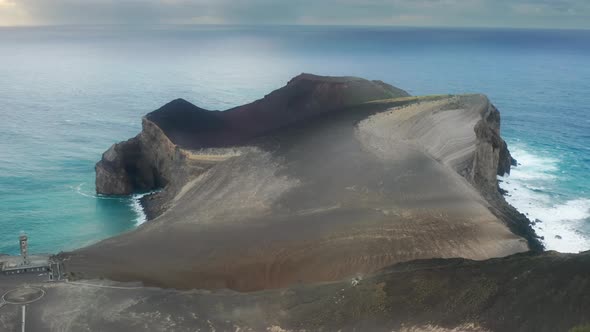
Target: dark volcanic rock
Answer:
pixel 506 160
pixel 304 97
pixel 120 173
pixel 492 157
pixel 188 125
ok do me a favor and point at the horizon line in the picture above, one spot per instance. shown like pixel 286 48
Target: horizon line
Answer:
pixel 24 26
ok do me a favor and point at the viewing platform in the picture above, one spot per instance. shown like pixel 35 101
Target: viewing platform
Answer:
pixel 39 264
pixel 10 265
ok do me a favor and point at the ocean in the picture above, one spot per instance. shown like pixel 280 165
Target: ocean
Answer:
pixel 68 93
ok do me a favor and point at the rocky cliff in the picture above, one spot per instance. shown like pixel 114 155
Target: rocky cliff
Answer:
pixel 462 132
pixel 491 157
pixel 142 163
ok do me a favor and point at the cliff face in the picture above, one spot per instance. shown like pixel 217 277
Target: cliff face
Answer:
pixel 115 171
pixel 462 132
pixel 492 157
pixel 142 163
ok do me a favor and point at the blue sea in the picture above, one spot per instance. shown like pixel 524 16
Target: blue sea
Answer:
pixel 68 93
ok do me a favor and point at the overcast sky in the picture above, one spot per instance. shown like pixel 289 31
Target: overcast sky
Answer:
pixel 456 13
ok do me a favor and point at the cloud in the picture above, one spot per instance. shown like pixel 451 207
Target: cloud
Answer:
pixel 555 8
pixel 517 13
pixel 11 13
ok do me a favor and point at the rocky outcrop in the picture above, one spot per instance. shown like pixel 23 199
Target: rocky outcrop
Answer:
pixel 492 157
pixel 116 172
pixel 143 163
pixel 506 161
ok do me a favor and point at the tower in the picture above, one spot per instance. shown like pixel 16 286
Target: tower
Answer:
pixel 24 248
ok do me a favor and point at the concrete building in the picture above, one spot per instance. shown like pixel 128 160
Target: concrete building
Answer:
pixel 25 263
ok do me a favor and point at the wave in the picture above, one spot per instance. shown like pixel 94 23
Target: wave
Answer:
pixel 138 209
pixel 134 201
pixel 532 187
pixel 80 191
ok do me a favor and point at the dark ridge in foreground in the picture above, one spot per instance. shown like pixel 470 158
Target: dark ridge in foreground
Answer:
pixel 546 292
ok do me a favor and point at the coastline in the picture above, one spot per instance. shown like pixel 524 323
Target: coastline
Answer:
pixel 556 218
pixel 149 205
pixel 102 120
pixel 138 208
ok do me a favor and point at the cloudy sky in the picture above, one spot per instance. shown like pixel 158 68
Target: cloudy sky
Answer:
pixel 459 13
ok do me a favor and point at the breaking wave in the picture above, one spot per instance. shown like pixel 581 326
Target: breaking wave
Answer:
pixel 134 201
pixel 138 209
pixel 531 188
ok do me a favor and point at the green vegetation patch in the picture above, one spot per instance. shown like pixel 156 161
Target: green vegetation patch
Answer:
pixel 581 328
pixel 409 99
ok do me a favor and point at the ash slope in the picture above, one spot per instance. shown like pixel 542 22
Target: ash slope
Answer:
pixel 323 179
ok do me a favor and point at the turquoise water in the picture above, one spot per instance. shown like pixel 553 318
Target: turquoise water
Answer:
pixel 68 93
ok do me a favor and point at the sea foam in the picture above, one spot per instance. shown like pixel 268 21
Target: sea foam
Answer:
pixel 531 188
pixel 135 204
pixel 134 201
pixel 138 208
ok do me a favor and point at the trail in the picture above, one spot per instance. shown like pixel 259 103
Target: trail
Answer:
pixel 101 286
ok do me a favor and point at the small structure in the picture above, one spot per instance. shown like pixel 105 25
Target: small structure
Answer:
pixel 24 248
pixel 25 263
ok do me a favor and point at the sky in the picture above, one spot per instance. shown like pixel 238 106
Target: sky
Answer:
pixel 563 14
